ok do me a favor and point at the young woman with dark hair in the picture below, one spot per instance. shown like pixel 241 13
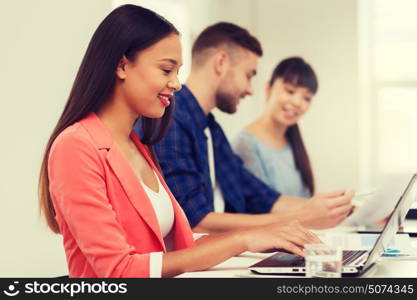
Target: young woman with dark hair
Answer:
pixel 272 146
pixel 100 186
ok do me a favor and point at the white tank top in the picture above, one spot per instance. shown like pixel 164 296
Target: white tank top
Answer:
pixel 164 211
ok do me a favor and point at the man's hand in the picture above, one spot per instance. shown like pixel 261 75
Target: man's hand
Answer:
pixel 326 210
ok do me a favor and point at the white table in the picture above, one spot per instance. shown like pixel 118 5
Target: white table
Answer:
pixel 237 266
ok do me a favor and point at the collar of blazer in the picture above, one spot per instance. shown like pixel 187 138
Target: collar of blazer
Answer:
pixel 124 171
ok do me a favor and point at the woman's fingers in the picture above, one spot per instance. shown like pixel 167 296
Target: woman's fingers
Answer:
pixel 299 235
pixel 294 238
pixel 286 245
pixel 312 238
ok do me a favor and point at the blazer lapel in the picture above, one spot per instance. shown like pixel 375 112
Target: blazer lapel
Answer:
pixel 183 232
pixel 134 190
pixel 124 172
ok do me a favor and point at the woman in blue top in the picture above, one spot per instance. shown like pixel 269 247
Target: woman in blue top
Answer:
pixel 272 146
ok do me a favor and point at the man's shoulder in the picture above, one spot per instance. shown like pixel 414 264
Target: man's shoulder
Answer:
pixel 181 125
pixel 182 115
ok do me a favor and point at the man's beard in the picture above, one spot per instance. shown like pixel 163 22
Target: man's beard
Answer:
pixel 226 102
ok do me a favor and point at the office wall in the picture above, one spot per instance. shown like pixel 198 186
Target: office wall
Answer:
pixel 42 44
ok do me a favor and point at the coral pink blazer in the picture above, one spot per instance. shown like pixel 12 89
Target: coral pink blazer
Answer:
pixel 107 222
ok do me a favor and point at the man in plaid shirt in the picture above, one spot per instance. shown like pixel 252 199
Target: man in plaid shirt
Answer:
pixel 207 178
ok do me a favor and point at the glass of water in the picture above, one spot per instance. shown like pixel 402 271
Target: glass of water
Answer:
pixel 323 261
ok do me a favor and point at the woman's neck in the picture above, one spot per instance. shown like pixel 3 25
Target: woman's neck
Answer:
pixel 271 127
pixel 268 131
pixel 118 118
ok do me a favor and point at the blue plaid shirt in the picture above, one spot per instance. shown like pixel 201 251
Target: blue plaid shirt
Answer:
pixel 183 157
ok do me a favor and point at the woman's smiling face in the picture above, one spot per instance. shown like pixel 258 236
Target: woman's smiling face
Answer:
pixel 287 102
pixel 148 82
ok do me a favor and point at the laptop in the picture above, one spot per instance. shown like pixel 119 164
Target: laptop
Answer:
pixel 356 262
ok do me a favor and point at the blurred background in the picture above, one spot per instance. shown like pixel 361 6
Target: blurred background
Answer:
pixel 361 127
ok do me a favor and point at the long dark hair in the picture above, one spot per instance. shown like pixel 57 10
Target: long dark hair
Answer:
pixel 296 71
pixel 124 32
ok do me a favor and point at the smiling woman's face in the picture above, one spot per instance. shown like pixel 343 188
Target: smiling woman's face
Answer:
pixel 147 83
pixel 287 102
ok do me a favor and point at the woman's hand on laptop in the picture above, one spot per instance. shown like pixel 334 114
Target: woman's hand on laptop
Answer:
pixel 291 237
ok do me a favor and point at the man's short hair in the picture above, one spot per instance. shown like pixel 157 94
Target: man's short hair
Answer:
pixel 225 34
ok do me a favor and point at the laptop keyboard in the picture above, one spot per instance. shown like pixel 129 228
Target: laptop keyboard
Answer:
pixel 351 256
pixel 295 260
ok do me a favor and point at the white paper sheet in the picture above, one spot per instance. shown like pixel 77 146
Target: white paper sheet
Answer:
pixel 379 205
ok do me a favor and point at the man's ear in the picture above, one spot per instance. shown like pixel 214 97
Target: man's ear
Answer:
pixel 121 68
pixel 221 63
